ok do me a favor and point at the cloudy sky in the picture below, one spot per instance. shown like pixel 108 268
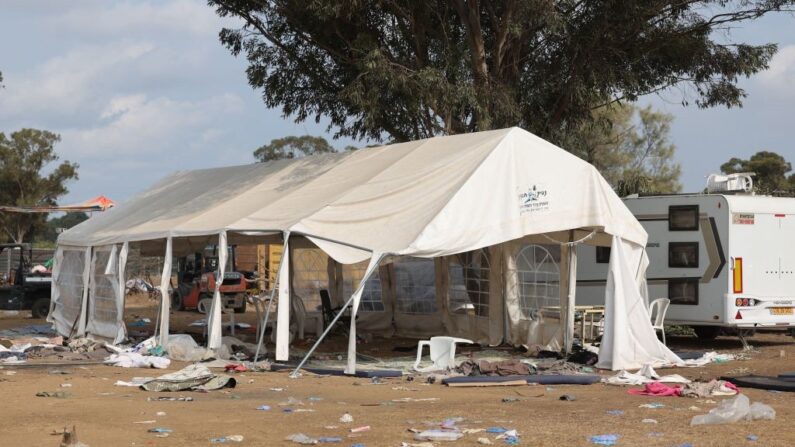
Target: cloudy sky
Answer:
pixel 139 89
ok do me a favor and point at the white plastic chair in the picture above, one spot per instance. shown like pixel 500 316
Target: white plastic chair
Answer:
pixel 660 305
pixel 442 350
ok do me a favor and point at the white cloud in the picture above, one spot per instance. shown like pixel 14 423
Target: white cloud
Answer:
pixel 135 126
pixel 779 79
pixel 68 83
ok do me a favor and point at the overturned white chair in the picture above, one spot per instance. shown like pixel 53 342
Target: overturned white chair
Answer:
pixel 442 351
pixel 657 310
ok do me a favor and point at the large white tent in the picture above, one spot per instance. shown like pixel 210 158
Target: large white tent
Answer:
pixel 464 207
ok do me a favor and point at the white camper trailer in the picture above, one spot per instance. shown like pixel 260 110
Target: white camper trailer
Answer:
pixel 724 260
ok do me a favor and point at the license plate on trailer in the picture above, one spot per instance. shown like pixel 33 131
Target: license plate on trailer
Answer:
pixel 781 311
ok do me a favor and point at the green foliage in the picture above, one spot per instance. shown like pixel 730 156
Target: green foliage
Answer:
pixel 771 172
pixel 49 232
pixel 292 147
pixel 413 69
pixel 23 156
pixel 631 148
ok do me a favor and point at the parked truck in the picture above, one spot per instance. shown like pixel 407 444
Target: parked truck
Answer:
pixel 20 287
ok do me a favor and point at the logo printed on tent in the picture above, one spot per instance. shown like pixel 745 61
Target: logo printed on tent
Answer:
pixel 536 198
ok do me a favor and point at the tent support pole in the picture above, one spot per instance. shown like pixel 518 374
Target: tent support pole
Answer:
pixel 264 324
pixel 326 331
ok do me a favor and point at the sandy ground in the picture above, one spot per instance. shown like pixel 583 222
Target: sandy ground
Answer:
pixel 106 415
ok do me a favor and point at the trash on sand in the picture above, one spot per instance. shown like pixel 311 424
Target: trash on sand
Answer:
pixel 752 438
pixel 146 422
pixel 160 413
pixel 360 429
pixel 277 389
pixel 169 398
pixel 653 405
pixel 485 441
pixel 264 407
pixel 604 439
pixel 224 439
pixel 496 430
pixel 329 440
pixel 438 435
pixel 66 385
pixel 615 412
pixel 346 418
pixel 649 421
pixel 56 394
pixel 507 400
pixel 300 438
pixel 567 397
pixel 160 430
pixel 733 410
pixel 70 438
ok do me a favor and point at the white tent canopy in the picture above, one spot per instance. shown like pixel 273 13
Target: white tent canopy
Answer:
pixel 431 198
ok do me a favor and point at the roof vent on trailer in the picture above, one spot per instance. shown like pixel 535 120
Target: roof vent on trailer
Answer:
pixel 732 183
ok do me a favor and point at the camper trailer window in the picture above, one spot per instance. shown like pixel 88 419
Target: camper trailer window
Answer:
pixel 683 218
pixel 683 254
pixel 683 291
pixel 602 255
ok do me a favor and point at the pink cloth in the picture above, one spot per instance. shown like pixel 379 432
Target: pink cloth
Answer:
pixel 656 389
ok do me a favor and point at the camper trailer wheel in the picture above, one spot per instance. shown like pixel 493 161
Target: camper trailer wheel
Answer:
pixel 41 307
pixel 204 305
pixel 706 332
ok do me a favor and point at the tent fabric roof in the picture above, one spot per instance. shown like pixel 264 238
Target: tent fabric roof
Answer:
pixel 430 197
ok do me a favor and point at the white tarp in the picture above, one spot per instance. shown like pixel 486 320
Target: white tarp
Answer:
pixel 629 341
pixel 427 198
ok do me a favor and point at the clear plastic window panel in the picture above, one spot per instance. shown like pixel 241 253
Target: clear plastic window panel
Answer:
pixel 538 279
pixel 70 283
pixel 468 292
pixel 310 276
pixel 103 292
pixel 415 286
pixel 352 275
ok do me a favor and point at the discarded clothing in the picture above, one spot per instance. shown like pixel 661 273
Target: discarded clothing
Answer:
pixel 503 368
pixel 709 389
pixel 192 377
pixel 644 376
pixel 135 360
pixel 656 389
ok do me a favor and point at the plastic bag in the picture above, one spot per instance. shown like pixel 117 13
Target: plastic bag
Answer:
pixel 438 435
pixel 183 348
pixel 759 410
pixel 727 412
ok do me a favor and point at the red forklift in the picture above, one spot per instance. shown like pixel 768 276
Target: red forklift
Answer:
pixel 196 282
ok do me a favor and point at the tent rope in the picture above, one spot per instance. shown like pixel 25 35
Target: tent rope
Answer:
pixel 573 243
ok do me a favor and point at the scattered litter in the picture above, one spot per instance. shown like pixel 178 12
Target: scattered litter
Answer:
pixel 653 405
pixel 656 434
pixel 604 439
pixel 56 394
pixel 329 440
pixel 752 438
pixel 411 399
pixel 66 385
pixel 145 422
pixel 264 407
pixel 363 428
pixel 140 322
pixel 485 441
pixel 649 421
pixel 346 418
pixel 694 408
pixel 438 435
pixel 733 410
pixel 160 413
pixel 615 412
pixel 508 400
pixel 567 397
pixel 169 398
pixel 160 430
pixel 224 439
pixel 416 444
pixel 70 438
pixel 496 430
pixel 277 389
pixel 300 438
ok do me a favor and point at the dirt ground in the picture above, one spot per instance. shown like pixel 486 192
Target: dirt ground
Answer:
pixel 108 415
